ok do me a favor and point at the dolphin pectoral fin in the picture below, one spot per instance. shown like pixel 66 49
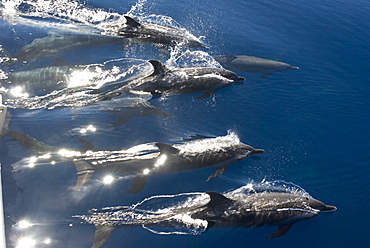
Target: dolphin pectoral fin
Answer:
pixel 87 145
pixel 205 95
pixel 102 234
pixel 280 231
pixel 266 75
pixel 131 22
pixel 218 171
pixel 84 173
pixel 167 149
pixel 137 184
pixel 122 119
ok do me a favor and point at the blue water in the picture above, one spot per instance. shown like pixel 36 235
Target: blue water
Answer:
pixel 312 122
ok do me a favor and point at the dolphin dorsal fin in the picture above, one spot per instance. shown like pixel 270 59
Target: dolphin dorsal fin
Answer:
pixel 230 57
pixel 131 22
pixel 167 149
pixel 58 61
pixel 159 68
pixel 217 198
pixel 87 145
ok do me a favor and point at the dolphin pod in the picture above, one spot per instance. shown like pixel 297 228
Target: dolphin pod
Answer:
pixel 234 209
pixel 128 34
pixel 213 210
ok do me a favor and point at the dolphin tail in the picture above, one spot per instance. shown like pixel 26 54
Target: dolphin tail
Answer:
pixel 84 173
pixel 102 234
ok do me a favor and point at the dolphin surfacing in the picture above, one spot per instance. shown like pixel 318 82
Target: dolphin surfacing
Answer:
pixel 141 161
pixel 189 80
pixel 234 209
pixel 156 34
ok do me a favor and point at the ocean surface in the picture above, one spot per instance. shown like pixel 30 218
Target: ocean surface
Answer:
pixel 313 123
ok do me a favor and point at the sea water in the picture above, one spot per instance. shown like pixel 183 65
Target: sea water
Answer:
pixel 312 122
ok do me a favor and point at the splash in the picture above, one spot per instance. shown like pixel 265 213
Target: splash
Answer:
pixel 277 186
pixel 137 9
pixel 162 214
pixel 218 143
pixel 71 11
pixel 188 58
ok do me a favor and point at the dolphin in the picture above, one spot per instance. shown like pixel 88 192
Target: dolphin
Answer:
pixel 56 44
pixel 52 77
pixel 252 64
pixel 60 75
pixel 260 209
pixel 166 81
pixel 139 108
pixel 142 160
pixel 149 33
pixel 243 209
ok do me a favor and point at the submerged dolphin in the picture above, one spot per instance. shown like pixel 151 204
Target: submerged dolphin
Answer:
pixel 157 34
pixel 234 209
pixel 252 64
pixel 188 80
pixel 53 44
pixel 143 160
pixel 60 75
pixel 48 78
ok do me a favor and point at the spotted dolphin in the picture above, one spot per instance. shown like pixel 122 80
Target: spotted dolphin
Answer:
pixel 252 64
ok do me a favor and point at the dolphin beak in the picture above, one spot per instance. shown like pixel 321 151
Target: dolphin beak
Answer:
pixel 329 209
pixel 257 151
pixel 239 79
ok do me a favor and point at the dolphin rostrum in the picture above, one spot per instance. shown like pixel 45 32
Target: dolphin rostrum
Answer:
pixel 167 81
pixel 252 64
pixel 142 160
pixel 238 208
